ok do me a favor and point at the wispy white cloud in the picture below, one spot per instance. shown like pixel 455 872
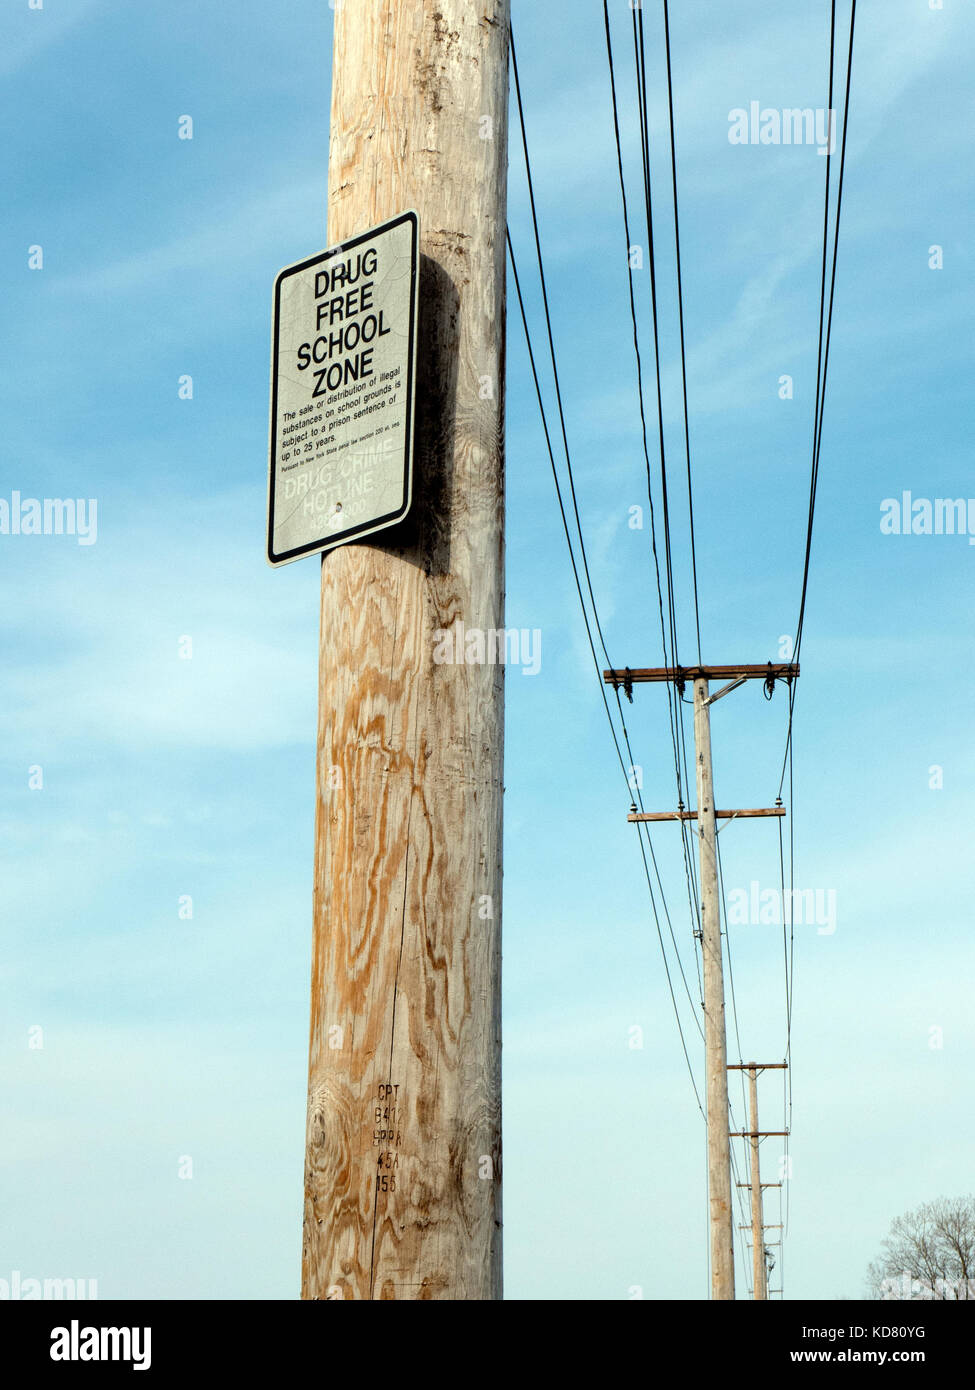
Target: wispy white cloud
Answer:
pixel 111 630
pixel 240 230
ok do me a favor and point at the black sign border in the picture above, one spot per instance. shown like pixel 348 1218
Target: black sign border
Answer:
pixel 391 518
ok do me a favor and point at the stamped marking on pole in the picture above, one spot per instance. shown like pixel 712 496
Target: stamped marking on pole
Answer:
pixel 343 376
pixel 387 1136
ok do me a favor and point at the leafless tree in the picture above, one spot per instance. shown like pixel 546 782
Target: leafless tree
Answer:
pixel 928 1254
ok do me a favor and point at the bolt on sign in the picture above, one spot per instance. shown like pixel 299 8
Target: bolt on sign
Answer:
pixel 343 380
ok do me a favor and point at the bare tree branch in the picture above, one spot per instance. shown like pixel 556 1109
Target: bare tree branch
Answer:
pixel 929 1253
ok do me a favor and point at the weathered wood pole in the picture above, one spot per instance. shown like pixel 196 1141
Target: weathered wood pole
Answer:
pixel 715 1041
pixel 758 1220
pixel 403 1158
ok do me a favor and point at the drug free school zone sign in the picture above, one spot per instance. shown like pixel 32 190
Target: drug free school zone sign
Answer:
pixel 343 373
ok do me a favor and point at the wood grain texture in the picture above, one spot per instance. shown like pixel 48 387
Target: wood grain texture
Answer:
pixel 715 1038
pixel 403 1158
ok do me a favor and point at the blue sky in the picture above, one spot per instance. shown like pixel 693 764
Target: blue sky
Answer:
pixel 166 1037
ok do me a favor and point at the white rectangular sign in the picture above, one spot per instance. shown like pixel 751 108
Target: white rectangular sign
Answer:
pixel 343 380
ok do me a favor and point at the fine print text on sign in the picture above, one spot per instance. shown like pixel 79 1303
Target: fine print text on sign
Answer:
pixel 343 373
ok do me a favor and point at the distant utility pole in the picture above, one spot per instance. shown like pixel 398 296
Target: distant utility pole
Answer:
pixel 754 1137
pixel 403 1160
pixel 715 1038
pixel 759 1280
pixel 719 1145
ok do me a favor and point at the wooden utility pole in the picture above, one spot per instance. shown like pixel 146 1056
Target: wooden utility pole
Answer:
pixel 403 1161
pixel 716 1062
pixel 715 1037
pixel 754 1136
pixel 758 1227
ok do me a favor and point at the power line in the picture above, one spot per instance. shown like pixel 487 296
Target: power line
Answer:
pixel 568 459
pixel 669 633
pixel 822 356
pixel 558 493
pixel 639 49
pixel 641 827
pixel 822 366
pixel 550 334
pixel 641 77
pixel 680 308
pixel 829 322
pixel 592 648
pixel 575 571
pixel 825 336
pixel 822 325
pixel 674 717
pixel 674 704
pixel 551 341
pixel 636 337
pixel 734 1011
